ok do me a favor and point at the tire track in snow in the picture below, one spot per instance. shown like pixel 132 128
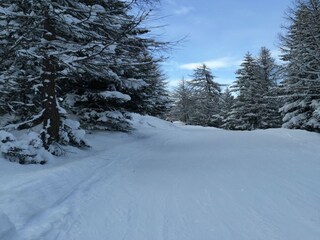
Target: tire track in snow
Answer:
pixel 61 210
pixel 68 211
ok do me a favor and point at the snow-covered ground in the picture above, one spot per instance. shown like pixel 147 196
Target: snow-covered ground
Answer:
pixel 169 182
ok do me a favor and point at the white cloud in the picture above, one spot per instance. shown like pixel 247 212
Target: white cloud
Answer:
pixel 183 10
pixel 214 63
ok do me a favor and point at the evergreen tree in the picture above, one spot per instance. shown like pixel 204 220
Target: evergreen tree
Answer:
pixel 300 47
pixel 153 97
pixel 134 83
pixel 268 69
pixel 226 110
pixel 246 112
pixel 269 76
pixel 205 96
pixel 19 72
pixel 182 108
pixel 88 52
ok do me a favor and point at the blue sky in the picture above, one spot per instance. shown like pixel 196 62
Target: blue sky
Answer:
pixel 219 33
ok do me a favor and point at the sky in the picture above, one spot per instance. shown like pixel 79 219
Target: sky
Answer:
pixel 218 33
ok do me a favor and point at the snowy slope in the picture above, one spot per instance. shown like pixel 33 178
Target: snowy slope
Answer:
pixel 169 182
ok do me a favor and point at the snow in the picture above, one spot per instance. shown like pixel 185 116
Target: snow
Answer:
pixel 27 148
pixel 135 84
pixel 6 137
pixel 7 229
pixel 115 95
pixel 169 181
pixel 77 132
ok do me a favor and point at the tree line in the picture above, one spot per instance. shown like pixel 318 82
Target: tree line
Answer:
pixel 265 94
pixel 72 65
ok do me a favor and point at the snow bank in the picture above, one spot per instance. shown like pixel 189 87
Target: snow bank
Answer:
pixel 116 95
pixel 27 150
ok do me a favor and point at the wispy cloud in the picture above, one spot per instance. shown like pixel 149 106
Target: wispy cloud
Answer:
pixel 183 10
pixel 214 63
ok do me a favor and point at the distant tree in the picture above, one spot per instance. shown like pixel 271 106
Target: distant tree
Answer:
pixel 226 109
pixel 300 51
pixel 182 103
pixel 246 112
pixel 205 96
pixel 269 77
pixel 268 68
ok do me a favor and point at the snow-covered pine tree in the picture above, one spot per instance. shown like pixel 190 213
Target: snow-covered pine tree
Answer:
pixel 19 73
pixel 83 46
pixel 226 109
pixel 269 77
pixel 206 95
pixel 246 112
pixel 157 97
pixel 152 98
pixel 300 48
pixel 182 103
pixel 30 37
pixel 131 82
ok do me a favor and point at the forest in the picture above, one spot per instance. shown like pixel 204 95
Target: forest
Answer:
pixel 69 67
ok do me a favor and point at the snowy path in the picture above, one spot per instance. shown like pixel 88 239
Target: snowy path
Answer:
pixel 167 182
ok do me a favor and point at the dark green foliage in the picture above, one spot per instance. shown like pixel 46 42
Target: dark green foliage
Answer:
pixel 205 95
pixel 246 112
pixel 91 60
pixel 300 48
pixel 226 108
pixel 269 76
pixel 256 105
pixel 182 103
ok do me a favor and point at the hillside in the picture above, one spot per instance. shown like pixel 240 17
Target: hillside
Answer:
pixel 167 181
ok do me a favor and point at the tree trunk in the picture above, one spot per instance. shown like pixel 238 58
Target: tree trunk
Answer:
pixel 51 118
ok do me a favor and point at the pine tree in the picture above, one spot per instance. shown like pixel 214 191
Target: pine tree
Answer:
pixel 83 51
pixel 226 109
pixel 131 82
pixel 300 47
pixel 19 72
pixel 182 106
pixel 269 76
pixel 152 98
pixel 206 96
pixel 246 112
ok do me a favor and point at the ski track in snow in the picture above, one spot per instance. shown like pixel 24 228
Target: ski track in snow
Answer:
pixel 169 182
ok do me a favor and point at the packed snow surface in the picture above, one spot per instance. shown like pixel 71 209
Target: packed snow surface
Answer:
pixel 167 181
